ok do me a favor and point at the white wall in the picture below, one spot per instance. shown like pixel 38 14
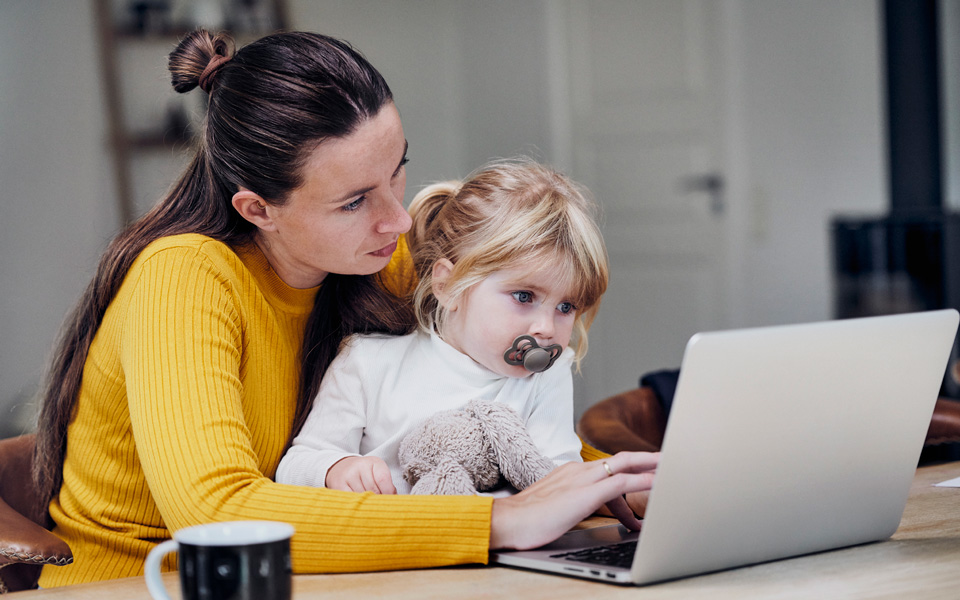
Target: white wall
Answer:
pixel 415 46
pixel 54 188
pixel 470 78
pixel 506 86
pixel 472 81
pixel 810 140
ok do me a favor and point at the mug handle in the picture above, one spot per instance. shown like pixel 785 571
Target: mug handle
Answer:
pixel 151 569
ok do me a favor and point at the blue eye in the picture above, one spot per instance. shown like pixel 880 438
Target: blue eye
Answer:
pixel 566 307
pixel 522 297
pixel 352 206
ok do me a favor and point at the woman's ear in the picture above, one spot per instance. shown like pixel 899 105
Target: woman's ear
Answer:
pixel 253 208
pixel 442 269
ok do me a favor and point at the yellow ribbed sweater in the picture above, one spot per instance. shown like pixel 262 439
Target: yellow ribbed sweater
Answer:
pixel 187 399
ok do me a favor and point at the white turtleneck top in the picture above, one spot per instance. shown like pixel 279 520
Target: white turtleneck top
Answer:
pixel 379 388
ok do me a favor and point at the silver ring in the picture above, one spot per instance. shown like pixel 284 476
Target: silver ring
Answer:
pixel 607 468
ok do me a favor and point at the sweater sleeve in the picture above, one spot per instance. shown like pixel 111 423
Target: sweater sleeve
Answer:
pixel 182 350
pixel 588 452
pixel 400 276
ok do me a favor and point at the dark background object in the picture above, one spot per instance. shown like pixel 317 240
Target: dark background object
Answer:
pixel 908 260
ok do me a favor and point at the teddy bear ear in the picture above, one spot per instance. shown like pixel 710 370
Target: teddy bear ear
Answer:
pixel 448 478
pixel 521 463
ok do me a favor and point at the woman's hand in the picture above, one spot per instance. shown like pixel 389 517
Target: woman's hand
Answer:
pixel 547 509
pixel 637 501
pixel 360 474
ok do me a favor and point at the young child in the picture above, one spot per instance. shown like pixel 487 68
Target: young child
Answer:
pixel 509 258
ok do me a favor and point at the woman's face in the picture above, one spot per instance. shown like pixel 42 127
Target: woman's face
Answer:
pixel 348 214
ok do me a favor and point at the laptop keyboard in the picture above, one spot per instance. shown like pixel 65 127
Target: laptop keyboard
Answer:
pixel 614 555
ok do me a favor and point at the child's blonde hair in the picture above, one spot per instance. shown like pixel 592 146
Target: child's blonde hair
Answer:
pixel 509 214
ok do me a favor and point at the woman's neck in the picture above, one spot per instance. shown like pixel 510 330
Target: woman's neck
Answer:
pixel 287 272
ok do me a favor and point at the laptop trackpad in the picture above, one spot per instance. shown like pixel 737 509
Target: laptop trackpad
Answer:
pixel 586 538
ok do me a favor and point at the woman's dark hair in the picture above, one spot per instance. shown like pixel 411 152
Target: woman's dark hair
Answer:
pixel 270 105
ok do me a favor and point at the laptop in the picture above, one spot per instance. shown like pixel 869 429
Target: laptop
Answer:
pixel 781 441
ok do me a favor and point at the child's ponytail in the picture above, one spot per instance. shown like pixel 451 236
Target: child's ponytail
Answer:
pixel 424 209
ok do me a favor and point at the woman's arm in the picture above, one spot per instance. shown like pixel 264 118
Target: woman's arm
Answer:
pixel 195 433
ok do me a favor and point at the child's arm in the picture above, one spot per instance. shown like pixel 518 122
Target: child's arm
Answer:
pixel 333 429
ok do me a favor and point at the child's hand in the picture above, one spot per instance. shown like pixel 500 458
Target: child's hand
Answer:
pixel 361 474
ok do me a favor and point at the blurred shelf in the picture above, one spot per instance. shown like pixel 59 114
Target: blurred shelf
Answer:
pixel 126 140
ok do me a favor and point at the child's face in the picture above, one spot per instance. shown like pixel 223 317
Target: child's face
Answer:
pixel 484 322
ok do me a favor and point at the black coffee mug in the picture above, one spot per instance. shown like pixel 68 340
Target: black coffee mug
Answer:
pixel 238 560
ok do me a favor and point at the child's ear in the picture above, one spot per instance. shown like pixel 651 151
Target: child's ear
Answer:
pixel 253 208
pixel 442 269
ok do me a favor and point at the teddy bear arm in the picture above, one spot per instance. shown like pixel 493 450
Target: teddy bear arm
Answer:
pixel 447 478
pixel 520 461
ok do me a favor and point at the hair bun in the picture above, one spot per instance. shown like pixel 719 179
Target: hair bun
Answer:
pixel 197 59
pixel 206 79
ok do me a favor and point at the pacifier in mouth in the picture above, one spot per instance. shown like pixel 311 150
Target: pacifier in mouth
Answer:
pixel 534 358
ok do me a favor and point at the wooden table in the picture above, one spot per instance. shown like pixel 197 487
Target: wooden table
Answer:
pixel 922 560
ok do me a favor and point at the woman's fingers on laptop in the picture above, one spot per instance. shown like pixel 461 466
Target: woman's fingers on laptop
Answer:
pixel 547 509
pixel 635 472
pixel 631 462
pixel 621 510
pixel 637 501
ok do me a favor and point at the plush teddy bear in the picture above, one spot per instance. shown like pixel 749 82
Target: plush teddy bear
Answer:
pixel 463 451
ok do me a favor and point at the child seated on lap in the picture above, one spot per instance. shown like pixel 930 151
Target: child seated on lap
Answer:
pixel 509 258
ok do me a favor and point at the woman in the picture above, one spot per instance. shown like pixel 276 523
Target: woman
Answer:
pixel 181 373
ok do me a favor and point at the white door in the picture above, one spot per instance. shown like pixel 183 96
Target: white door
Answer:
pixel 645 88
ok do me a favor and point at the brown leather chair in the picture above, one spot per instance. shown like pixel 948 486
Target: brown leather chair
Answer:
pixel 945 424
pixel 635 420
pixel 25 543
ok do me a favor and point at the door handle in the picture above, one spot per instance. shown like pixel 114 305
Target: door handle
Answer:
pixel 709 183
